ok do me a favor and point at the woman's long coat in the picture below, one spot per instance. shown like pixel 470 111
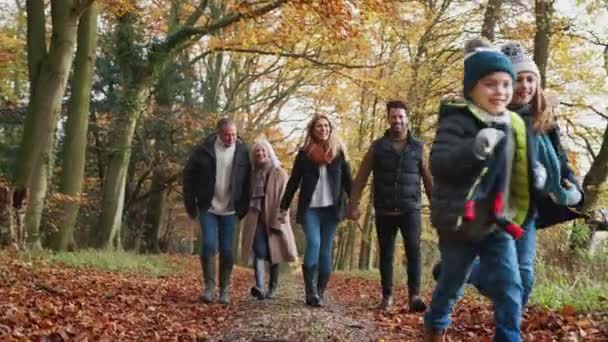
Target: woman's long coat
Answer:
pixel 281 241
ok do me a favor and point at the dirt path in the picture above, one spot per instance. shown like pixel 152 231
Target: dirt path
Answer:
pixel 286 318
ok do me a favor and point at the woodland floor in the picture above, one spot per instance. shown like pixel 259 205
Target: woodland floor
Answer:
pixel 40 300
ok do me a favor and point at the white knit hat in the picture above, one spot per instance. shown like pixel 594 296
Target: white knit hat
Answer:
pixel 521 61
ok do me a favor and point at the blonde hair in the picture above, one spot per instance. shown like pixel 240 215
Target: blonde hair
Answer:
pixel 544 111
pixel 545 117
pixel 333 144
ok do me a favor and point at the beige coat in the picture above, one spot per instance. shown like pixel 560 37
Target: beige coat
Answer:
pixel 281 242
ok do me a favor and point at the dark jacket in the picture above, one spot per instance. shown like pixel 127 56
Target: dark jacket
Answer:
pixel 199 178
pixel 456 170
pixel 305 175
pixel 397 176
pixel 547 212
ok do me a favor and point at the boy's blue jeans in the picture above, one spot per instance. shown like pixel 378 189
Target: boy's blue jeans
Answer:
pixel 320 225
pixel 499 268
pixel 526 253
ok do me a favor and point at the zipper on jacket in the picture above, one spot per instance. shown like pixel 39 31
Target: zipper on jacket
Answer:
pixel 470 194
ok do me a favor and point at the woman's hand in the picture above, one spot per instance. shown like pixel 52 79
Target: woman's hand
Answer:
pixel 282 216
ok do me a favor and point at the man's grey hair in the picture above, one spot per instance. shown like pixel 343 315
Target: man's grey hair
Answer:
pixel 265 144
pixel 223 122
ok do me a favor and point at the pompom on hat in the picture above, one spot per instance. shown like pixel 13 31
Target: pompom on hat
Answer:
pixel 520 60
pixel 481 59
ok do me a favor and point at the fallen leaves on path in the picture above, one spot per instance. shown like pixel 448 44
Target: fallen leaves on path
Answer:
pixel 472 317
pixel 44 301
pixel 39 300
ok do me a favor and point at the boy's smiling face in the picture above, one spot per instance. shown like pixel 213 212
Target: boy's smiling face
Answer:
pixel 493 92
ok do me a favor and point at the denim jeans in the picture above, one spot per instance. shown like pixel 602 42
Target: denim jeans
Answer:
pixel 214 229
pixel 526 253
pixel 320 225
pixel 498 263
pixel 386 228
pixel 260 242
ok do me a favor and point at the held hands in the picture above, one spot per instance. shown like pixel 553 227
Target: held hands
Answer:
pixel 282 216
pixel 574 196
pixel 352 212
pixel 191 211
pixel 485 141
pixel 540 176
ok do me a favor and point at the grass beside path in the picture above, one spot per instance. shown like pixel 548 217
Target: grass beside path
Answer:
pixel 120 261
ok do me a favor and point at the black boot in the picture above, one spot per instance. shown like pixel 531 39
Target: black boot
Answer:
pixel 321 286
pixel 310 285
pixel 387 302
pixel 225 272
pixel 273 282
pixel 208 267
pixel 416 303
pixel 257 291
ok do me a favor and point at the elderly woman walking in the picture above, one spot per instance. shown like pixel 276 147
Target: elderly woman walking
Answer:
pixel 264 234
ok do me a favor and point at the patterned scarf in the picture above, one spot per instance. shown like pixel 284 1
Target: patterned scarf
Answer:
pixel 259 185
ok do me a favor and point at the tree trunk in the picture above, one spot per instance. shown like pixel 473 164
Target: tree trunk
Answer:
pixel 350 247
pixel 366 238
pixel 543 11
pixel 77 127
pixel 593 181
pixel 8 232
pixel 489 19
pixel 597 175
pixel 36 40
pixel 113 193
pixel 48 78
pixel 157 210
pixel 340 255
pixel 48 87
pixel 19 32
pixel 35 207
pixel 211 99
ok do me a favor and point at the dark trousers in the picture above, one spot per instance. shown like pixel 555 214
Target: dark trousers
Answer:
pixel 410 226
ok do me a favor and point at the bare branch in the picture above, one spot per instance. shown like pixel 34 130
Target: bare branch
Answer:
pixel 198 12
pixel 588 145
pixel 596 111
pixel 187 35
pixel 307 57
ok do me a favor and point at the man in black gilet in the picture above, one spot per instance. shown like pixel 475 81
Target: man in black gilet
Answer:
pixel 399 163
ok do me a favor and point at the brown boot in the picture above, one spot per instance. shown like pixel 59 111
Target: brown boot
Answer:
pixel 431 335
